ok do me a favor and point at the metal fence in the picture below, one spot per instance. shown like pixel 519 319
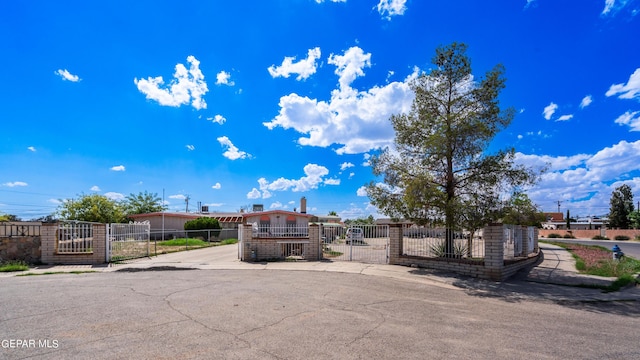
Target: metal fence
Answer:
pixel 280 231
pixel 514 238
pixel 432 242
pixel 363 243
pixel 209 235
pixel 10 229
pixel 128 241
pixel 74 237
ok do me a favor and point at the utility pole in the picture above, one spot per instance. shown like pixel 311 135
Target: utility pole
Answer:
pixel 559 202
pixel 186 200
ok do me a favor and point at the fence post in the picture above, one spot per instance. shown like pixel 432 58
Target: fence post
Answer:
pixel 107 242
pixel 395 243
pixel 494 251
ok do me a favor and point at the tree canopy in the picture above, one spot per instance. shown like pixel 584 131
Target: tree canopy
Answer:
pixel 441 166
pixel 520 210
pixel 94 208
pixel 621 207
pixel 142 203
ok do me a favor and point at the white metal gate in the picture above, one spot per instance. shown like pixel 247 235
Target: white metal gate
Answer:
pixel 128 241
pixel 362 243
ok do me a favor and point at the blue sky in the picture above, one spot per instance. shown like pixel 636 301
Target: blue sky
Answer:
pixel 236 103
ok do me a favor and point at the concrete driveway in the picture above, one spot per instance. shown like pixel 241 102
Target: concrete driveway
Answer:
pixel 133 312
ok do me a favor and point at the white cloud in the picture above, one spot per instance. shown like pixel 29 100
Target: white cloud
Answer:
pixel 118 168
pixel 31 148
pixel 391 8
pixel 332 182
pixel 351 175
pixel 222 78
pixel 187 86
pixel 276 205
pixel 217 119
pixel 114 196
pixel 66 75
pixel 314 176
pixel 529 3
pixel 608 5
pixel 335 1
pixel 362 191
pixel 177 196
pixel 55 201
pixel 15 184
pixel 549 110
pixel 190 147
pixel 356 120
pixel 345 165
pixel 253 194
pixel 232 152
pixel 584 182
pixel 216 186
pixel 586 101
pixel 95 188
pixel 630 90
pixel 565 117
pixel 304 68
pixel 367 160
pixel 632 119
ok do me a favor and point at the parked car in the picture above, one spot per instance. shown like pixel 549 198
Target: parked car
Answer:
pixel 355 236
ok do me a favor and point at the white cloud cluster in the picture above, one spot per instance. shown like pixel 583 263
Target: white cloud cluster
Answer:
pixel 31 148
pixel 232 152
pixel 224 78
pixel 114 196
pixel 95 188
pixel 630 90
pixel 66 75
pixel 304 68
pixel 631 119
pixel 608 5
pixel 187 86
pixel 15 184
pixel 356 120
pixel 190 147
pixel 117 168
pixel 549 110
pixel 216 186
pixel 345 165
pixel 389 8
pixel 586 101
pixel 217 119
pixel 586 181
pixel 315 175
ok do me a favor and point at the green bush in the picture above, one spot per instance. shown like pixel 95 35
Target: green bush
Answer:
pixel 203 223
pixel 622 237
pixel 554 236
pixel 569 236
pixel 599 237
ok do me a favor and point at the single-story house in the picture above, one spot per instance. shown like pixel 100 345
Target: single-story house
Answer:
pixel 172 223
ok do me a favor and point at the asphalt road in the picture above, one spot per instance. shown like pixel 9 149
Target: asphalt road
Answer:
pixel 272 314
pixel 630 248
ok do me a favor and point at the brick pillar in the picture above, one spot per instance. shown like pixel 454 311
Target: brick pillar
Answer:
pixel 313 249
pixel 247 242
pixel 493 251
pixel 395 243
pixel 48 244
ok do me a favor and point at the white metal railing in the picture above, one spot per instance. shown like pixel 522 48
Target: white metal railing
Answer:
pixel 74 238
pixel 280 231
pixel 128 241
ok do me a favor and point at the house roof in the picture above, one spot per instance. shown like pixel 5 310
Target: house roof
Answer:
pixel 277 212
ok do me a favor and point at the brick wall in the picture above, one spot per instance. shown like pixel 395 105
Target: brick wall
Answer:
pixel 493 267
pixel 51 256
pixel 588 234
pixel 270 248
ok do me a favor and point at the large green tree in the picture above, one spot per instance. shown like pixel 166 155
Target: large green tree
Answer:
pixel 520 210
pixel 441 159
pixel 621 207
pixel 142 203
pixel 94 208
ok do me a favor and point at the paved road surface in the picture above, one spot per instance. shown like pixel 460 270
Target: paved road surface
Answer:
pixel 274 314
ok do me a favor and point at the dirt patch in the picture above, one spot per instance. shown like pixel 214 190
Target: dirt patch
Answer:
pixel 591 256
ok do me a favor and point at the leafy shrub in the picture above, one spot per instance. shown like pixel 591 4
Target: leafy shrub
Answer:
pixel 569 236
pixel 439 250
pixel 203 223
pixel 554 236
pixel 622 237
pixel 599 237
